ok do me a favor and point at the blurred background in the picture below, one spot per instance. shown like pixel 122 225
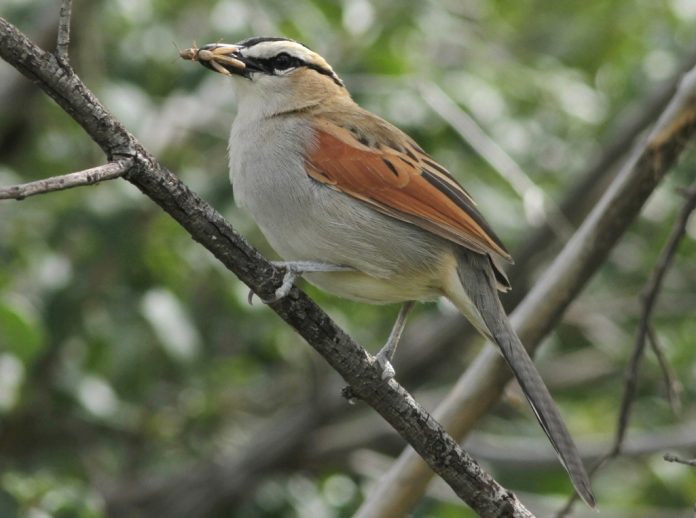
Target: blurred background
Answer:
pixel 135 380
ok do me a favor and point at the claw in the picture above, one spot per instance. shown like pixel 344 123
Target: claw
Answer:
pixel 293 271
pixel 284 289
pixel 388 371
pixel 386 353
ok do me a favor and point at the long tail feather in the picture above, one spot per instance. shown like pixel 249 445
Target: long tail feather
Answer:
pixel 479 302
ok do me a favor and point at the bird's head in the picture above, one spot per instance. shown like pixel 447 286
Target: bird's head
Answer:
pixel 272 75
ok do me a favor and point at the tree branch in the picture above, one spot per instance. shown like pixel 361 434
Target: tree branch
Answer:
pixel 64 30
pixel 523 454
pixel 482 384
pixel 673 386
pixel 673 458
pixel 649 299
pixel 208 227
pixel 67 181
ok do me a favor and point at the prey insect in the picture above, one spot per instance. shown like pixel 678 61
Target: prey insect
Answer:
pixel 215 55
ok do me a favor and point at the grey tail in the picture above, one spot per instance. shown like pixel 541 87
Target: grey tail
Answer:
pixel 479 283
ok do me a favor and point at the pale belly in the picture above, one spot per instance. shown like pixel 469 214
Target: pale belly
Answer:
pixel 393 261
pixel 363 287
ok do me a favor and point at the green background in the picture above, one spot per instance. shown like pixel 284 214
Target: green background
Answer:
pixel 129 356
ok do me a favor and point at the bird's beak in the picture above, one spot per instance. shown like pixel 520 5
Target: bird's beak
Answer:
pixel 219 57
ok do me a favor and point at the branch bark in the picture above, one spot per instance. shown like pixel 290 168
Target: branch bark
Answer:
pixel 64 30
pixel 67 181
pixel 482 384
pixel 208 228
pixel 673 458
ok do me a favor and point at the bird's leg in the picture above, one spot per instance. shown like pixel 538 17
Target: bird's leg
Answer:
pixel 386 353
pixel 296 269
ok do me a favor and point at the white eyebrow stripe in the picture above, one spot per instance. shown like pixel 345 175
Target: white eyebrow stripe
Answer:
pixel 269 49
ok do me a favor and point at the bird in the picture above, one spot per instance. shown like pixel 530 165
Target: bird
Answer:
pixel 357 208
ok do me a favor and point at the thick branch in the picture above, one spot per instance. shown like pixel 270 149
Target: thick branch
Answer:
pixel 67 181
pixel 482 384
pixel 208 227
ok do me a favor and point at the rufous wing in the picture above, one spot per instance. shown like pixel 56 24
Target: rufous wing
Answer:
pixel 400 180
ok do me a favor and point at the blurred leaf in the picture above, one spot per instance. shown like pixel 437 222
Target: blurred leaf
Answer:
pixel 21 332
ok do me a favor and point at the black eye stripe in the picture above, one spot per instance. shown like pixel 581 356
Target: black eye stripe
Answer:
pixel 282 61
pixel 326 72
pixel 285 61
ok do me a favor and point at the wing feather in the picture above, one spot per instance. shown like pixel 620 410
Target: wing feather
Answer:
pixel 401 181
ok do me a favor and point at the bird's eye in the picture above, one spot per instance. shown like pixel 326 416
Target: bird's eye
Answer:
pixel 283 61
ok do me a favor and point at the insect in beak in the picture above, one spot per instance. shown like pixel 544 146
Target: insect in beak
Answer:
pixel 220 57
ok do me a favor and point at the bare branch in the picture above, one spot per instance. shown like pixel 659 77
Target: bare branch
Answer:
pixel 67 181
pixel 64 30
pixel 649 298
pixel 673 386
pixel 482 384
pixel 210 229
pixel 525 454
pixel 673 458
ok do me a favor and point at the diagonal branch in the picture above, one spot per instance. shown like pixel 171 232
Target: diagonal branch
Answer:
pixel 67 181
pixel 210 229
pixel 483 382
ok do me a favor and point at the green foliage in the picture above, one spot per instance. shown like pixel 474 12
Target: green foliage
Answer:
pixel 128 354
pixel 22 332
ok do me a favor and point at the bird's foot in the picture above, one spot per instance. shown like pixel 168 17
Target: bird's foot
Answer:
pixel 294 270
pixel 386 353
pixel 382 359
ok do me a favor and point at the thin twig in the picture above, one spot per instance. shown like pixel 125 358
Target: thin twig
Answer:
pixel 649 298
pixel 673 458
pixel 649 295
pixel 64 30
pixel 535 201
pixel 67 181
pixel 672 384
